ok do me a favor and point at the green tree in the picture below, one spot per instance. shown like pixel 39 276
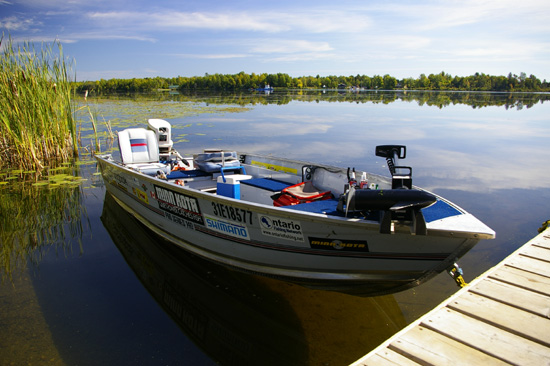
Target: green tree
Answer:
pixel 389 82
pixel 377 82
pixel 423 82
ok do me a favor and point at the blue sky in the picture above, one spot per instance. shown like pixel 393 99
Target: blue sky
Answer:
pixel 138 38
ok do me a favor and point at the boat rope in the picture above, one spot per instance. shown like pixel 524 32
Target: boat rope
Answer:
pixel 544 226
pixel 456 274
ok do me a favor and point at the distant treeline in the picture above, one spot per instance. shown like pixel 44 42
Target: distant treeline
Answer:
pixel 240 81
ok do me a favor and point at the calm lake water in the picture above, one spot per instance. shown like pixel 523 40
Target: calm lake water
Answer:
pixel 84 284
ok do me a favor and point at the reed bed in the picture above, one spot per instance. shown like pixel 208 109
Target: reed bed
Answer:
pixel 37 123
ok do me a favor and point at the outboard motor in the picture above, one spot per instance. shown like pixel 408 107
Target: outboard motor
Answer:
pixel 163 130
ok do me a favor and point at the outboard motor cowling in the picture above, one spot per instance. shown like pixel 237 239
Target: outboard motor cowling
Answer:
pixel 163 131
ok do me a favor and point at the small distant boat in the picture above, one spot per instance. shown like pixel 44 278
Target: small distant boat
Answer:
pixel 316 225
pixel 267 87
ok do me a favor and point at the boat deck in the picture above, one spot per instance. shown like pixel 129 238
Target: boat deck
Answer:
pixel 501 318
pixel 260 190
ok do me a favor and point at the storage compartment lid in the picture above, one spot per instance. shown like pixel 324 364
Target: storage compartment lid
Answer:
pixel 234 179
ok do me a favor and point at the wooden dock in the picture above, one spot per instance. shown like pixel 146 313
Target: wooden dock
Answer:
pixel 500 318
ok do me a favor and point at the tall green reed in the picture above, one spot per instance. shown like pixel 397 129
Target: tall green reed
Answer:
pixel 37 123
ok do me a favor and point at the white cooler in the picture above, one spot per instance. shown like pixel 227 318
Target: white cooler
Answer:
pixel 232 186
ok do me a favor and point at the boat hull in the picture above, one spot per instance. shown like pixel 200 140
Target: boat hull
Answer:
pixel 314 250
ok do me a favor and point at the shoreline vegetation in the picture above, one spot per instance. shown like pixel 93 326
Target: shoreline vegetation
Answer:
pixel 36 119
pixel 244 81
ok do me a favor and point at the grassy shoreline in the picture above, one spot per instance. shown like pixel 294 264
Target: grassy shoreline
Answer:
pixel 37 123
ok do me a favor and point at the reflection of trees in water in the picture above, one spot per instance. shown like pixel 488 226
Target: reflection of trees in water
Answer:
pixel 35 220
pixel 437 99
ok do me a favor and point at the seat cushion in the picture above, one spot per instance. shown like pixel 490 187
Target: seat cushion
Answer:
pixel 138 145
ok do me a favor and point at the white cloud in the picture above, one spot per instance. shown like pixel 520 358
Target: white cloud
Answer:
pixel 268 22
pixel 277 49
pixel 288 46
pixel 216 21
pixel 308 56
pixel 213 56
pixel 13 23
pixel 441 14
pixel 111 36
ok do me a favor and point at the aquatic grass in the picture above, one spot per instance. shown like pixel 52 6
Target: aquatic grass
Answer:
pixel 41 214
pixel 37 124
pixel 33 221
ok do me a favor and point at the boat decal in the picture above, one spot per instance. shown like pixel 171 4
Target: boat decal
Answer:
pixel 119 181
pixel 178 220
pixel 184 206
pixel 281 228
pixel 141 195
pixel 340 245
pixel 277 168
pixel 146 205
pixel 118 185
pixel 226 227
pixel 323 252
pixel 239 215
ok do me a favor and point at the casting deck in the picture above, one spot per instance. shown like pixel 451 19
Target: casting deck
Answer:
pixel 500 318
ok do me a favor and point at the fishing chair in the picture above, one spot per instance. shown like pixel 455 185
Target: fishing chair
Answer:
pixel 139 150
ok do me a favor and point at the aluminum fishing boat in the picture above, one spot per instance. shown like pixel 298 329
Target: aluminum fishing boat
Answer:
pixel 321 226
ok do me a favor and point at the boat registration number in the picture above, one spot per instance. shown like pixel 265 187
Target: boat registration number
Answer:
pixel 232 213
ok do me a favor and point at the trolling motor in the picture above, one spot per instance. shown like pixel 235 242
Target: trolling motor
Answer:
pixel 401 175
pixel 402 203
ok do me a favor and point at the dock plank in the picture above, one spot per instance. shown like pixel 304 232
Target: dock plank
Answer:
pixel 488 339
pixel 502 317
pixel 514 296
pixel 530 264
pixel 427 347
pixel 516 321
pixel 523 279
pixel 537 252
pixel 388 357
pixel 543 242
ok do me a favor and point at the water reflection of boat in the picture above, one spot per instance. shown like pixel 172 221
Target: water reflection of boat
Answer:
pixel 313 224
pixel 240 319
pixel 205 299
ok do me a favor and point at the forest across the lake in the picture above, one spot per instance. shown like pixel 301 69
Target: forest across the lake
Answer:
pixel 244 81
